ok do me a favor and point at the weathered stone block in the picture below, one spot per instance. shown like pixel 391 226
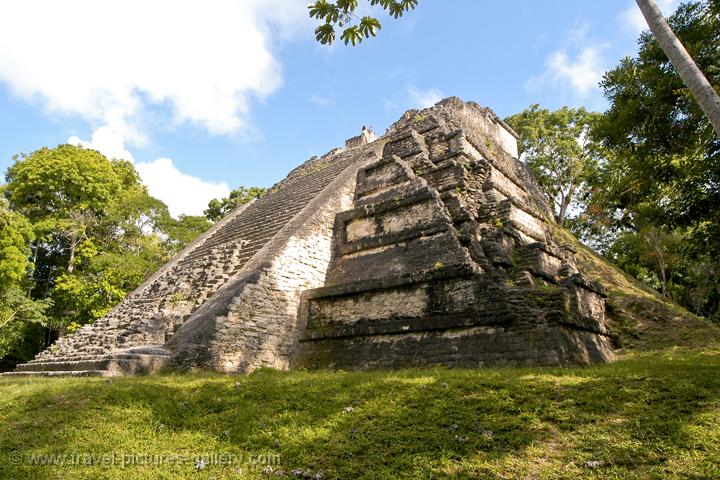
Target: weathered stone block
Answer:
pixel 427 246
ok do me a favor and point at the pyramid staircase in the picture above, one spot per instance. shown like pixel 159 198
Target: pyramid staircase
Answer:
pixel 130 338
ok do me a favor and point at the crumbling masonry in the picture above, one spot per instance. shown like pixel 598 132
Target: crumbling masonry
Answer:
pixel 429 245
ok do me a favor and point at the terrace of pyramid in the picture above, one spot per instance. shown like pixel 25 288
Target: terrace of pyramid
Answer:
pixel 431 245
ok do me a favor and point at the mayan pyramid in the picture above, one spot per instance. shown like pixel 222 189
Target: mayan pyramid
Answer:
pixel 429 245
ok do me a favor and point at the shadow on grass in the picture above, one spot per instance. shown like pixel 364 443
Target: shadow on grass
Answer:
pixel 651 416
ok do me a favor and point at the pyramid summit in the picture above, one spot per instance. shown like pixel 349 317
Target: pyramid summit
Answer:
pixel 429 245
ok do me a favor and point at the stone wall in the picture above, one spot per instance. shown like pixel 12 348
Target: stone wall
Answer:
pixel 252 320
pixel 152 314
pixel 430 245
pixel 447 258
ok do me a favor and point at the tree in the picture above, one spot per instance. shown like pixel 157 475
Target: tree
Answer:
pixel 666 161
pixel 558 148
pixel 22 325
pixel 18 313
pixel 100 280
pixel 218 208
pixel 657 197
pixel 652 255
pixel 701 89
pixel 341 14
pixel 15 237
pixel 92 234
pixel 184 230
pixel 98 233
pixel 62 191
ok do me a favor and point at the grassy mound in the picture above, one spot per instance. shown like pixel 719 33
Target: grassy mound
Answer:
pixel 646 416
pixel 642 319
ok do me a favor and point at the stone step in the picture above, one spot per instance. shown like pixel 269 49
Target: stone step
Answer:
pixel 127 353
pixel 75 373
pixel 90 358
pixel 258 236
pixel 202 272
pixel 120 364
pixel 117 366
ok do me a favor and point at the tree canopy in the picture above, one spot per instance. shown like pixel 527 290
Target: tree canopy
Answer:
pixel 558 148
pixel 78 232
pixel 658 193
pixel 21 318
pixel 15 237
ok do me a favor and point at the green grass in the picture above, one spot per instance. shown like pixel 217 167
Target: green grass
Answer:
pixel 648 415
pixel 655 413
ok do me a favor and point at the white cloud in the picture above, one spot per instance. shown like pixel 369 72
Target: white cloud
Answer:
pixel 111 61
pixel 321 100
pixel 106 141
pixel 581 73
pixel 634 22
pixel 575 69
pixel 412 97
pixel 182 193
pixel 424 98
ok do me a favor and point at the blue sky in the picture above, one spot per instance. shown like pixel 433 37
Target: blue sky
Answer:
pixel 206 96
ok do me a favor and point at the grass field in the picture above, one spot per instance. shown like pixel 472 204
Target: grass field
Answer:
pixel 648 415
pixel 653 414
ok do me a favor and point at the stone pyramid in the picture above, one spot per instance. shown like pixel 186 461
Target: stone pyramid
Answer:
pixel 429 245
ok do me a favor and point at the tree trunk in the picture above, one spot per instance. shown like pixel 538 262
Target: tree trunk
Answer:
pixel 689 72
pixel 34 262
pixel 562 212
pixel 73 245
pixel 663 278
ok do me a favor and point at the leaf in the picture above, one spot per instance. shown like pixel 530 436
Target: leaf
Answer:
pixel 410 4
pixel 320 9
pixel 347 6
pixel 351 35
pixel 325 34
pixel 369 26
pixel 395 9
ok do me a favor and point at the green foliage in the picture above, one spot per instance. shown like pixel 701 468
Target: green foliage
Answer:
pixel 647 416
pixel 132 214
pixel 667 165
pixel 100 280
pixel 218 208
pixel 21 324
pixel 52 184
pixel 655 206
pixel 15 237
pixel 558 148
pixel 184 230
pixel 88 231
pixel 651 255
pixel 83 298
pixel 178 298
pixel 21 318
pixel 341 14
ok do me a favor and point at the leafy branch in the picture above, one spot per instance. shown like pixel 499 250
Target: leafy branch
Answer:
pixel 341 14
